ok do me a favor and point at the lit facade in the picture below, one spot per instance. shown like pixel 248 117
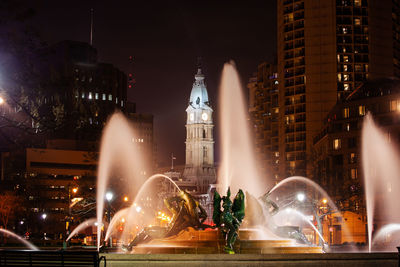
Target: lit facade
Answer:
pixel 199 164
pixel 327 49
pixel 264 115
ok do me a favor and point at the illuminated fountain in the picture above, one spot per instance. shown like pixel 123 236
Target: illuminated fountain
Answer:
pixel 381 167
pixel 119 154
pixel 20 239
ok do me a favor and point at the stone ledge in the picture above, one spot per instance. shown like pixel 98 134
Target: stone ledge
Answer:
pixel 327 259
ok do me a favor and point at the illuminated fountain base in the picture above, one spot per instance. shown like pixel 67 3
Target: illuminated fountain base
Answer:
pixel 211 242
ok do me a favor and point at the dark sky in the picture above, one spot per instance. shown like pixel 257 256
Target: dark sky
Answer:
pixel 165 38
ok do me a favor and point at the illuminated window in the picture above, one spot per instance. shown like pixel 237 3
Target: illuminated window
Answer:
pixel 361 110
pixel 357 21
pixel 337 144
pixel 110 97
pixel 352 158
pixel 345 68
pixel 348 127
pixel 76 94
pixel 339 77
pixel 353 173
pixel 346 113
pixel 345 58
pixel 357 3
pixel 116 100
pixel 394 105
pixel 292 164
pixel 345 77
pixel 346 87
pixel 83 94
pixel 122 103
pixel 344 30
pixel 96 96
pixel 90 96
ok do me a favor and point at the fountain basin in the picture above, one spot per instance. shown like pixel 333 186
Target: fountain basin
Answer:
pixel 276 260
pixel 211 242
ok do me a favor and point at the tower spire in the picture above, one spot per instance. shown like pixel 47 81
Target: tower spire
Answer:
pixel 91 26
pixel 198 65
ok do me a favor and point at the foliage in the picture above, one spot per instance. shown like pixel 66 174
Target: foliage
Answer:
pixel 9 206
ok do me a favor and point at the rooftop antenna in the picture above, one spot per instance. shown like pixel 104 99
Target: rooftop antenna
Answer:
pixel 91 26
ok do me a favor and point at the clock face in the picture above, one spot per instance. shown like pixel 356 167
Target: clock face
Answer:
pixel 204 116
pixel 191 116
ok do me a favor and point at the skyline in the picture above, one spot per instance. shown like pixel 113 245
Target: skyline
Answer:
pixel 165 49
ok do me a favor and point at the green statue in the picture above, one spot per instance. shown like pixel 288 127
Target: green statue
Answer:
pixel 186 212
pixel 229 220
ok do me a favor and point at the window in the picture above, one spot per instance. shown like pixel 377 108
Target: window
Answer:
pixel 357 21
pixel 122 103
pixel 346 87
pixel 348 127
pixel 352 158
pixel 110 97
pixel 395 105
pixel 345 58
pixel 357 3
pixel 345 68
pixel 346 113
pixel 90 96
pixel 96 96
pixel 352 142
pixel 337 144
pixel 345 77
pixel 353 173
pixel 104 97
pixel 83 94
pixel 339 77
pixel 116 100
pixel 361 110
pixel 292 164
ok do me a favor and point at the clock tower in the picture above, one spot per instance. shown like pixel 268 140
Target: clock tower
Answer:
pixel 199 167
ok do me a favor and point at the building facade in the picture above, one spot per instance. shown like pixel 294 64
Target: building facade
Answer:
pixel 337 148
pixel 264 115
pixel 327 49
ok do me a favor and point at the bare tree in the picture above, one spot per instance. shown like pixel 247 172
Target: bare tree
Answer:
pixel 9 205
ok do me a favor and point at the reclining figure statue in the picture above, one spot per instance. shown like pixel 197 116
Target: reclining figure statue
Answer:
pixel 187 212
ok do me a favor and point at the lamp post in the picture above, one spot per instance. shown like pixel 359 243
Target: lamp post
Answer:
pixel 109 197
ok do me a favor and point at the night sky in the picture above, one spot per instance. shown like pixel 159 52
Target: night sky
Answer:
pixel 166 38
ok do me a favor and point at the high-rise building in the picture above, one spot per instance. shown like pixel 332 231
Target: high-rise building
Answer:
pixel 199 167
pixel 264 115
pixel 90 91
pixel 326 49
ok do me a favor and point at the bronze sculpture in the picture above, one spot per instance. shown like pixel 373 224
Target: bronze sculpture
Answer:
pixel 186 212
pixel 229 220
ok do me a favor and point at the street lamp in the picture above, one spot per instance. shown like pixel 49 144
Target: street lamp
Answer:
pixel 1 100
pixel 300 197
pixel 109 197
